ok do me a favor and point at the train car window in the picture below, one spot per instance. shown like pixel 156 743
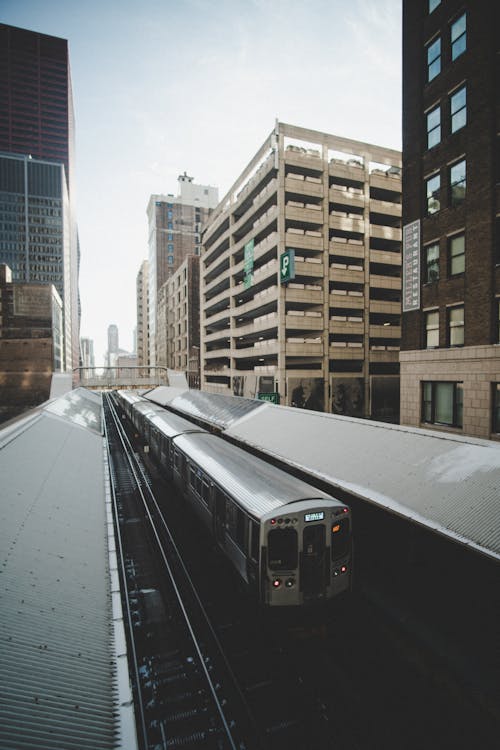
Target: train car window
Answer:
pixel 240 528
pixel 177 459
pixel 205 492
pixel 340 538
pixel 254 541
pixel 282 549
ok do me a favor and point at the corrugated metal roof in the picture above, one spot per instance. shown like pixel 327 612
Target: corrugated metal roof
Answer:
pixel 446 482
pixel 58 679
pixel 213 408
pixel 259 487
pixel 172 424
pixel 163 394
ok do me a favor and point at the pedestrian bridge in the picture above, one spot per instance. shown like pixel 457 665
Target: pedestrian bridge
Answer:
pixel 127 377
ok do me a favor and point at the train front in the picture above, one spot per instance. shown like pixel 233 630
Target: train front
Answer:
pixel 306 553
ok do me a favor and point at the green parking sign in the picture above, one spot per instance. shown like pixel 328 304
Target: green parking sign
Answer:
pixel 287 266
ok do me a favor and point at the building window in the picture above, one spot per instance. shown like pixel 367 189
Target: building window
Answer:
pixel 433 127
pixel 432 330
pixel 457 254
pixel 170 248
pixel 433 4
pixel 442 403
pixel 457 183
pixel 170 260
pixel 456 326
pixel 170 237
pixel 432 262
pixel 458 109
pixel 496 408
pixel 433 185
pixel 458 37
pixel 434 59
pixel 169 215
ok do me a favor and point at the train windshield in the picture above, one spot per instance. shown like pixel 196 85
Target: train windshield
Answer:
pixel 283 549
pixel 340 539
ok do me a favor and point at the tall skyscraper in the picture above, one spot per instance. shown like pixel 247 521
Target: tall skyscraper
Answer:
pixel 37 131
pixel 113 348
pixel 174 233
pixel 450 360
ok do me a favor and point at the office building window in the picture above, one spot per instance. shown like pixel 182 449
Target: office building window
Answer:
pixel 170 248
pixel 442 403
pixel 170 236
pixel 433 185
pixel 433 127
pixel 434 59
pixel 432 329
pixel 457 183
pixel 432 262
pixel 433 4
pixel 456 326
pixel 457 254
pixel 458 109
pixel 458 37
pixel 170 225
pixel 170 260
pixel 496 408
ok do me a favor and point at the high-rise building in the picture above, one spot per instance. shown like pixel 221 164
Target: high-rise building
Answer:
pixel 178 334
pixel 113 347
pixel 35 241
pixel 300 277
pixel 175 224
pixel 142 314
pixel 450 359
pixel 87 352
pixel 37 126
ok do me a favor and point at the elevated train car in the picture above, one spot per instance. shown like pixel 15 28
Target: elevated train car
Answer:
pixel 289 541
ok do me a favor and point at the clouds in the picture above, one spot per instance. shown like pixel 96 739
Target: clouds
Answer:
pixel 196 85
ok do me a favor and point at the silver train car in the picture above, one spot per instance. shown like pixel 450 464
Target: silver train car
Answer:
pixel 289 542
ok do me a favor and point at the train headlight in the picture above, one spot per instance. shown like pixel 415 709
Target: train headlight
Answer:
pixel 276 583
pixel 289 582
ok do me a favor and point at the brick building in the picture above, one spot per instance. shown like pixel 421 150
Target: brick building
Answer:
pixel 31 343
pixel 450 359
pixel 178 334
pixel 327 336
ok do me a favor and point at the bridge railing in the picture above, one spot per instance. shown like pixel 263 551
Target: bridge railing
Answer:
pixel 127 376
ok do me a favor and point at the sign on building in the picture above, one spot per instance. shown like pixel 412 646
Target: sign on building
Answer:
pixel 287 266
pixel 248 265
pixel 273 398
pixel 411 266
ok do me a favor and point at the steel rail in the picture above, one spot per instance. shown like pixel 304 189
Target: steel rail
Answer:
pixel 138 473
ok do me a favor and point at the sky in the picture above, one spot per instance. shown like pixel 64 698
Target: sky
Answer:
pixel 167 86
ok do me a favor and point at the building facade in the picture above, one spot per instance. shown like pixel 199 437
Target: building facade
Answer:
pixel 178 335
pixel 31 342
pixel 142 346
pixel 175 224
pixel 35 241
pixel 300 277
pixel 87 352
pixel 37 124
pixel 450 357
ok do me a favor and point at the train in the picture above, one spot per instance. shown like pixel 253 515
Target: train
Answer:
pixel 290 543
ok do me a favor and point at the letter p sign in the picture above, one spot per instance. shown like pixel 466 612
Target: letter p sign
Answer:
pixel 287 266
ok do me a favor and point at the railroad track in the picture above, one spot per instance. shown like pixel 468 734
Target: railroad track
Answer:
pixel 185 693
pixel 346 679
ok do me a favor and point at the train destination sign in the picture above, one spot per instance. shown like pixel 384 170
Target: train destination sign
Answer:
pixel 318 515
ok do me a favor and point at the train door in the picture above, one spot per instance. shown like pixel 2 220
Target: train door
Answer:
pixel 220 516
pixel 312 573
